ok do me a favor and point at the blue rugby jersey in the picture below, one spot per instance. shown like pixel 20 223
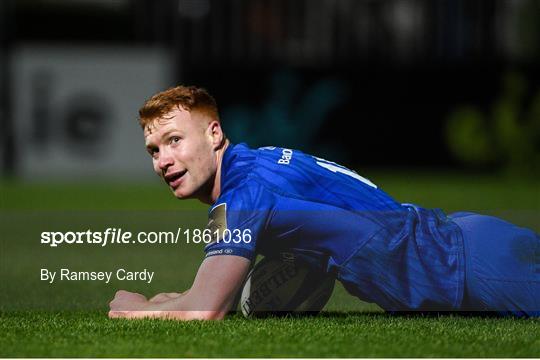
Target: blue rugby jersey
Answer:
pixel 275 200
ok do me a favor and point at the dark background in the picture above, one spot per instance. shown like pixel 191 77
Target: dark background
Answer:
pixel 365 83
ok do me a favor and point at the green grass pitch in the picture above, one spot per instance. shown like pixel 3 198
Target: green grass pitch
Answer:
pixel 69 319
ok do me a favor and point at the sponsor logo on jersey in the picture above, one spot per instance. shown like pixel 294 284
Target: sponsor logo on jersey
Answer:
pixel 217 222
pixel 214 252
pixel 219 252
pixel 286 156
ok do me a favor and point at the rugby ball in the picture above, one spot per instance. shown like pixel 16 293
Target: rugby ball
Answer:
pixel 277 287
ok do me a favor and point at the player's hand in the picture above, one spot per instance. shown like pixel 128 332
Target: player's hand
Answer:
pixel 162 297
pixel 129 305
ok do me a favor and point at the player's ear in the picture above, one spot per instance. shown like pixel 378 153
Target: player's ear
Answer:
pixel 216 133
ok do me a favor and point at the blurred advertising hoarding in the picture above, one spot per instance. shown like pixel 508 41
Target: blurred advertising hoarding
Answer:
pixel 75 110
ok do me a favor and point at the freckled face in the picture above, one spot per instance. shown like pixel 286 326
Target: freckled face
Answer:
pixel 181 146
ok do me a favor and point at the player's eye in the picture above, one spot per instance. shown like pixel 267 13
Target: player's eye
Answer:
pixel 174 139
pixel 153 152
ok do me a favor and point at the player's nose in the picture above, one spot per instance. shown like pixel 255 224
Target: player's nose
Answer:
pixel 165 161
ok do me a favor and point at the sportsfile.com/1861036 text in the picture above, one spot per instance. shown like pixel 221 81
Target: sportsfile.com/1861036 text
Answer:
pixel 119 236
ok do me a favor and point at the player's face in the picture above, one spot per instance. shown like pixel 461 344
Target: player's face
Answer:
pixel 182 146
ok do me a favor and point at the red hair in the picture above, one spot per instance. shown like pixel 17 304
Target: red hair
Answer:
pixel 190 98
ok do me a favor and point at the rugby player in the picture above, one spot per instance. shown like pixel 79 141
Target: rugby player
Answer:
pixel 400 256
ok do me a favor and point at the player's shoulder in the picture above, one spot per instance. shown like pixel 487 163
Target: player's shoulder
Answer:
pixel 242 164
pixel 237 186
pixel 272 169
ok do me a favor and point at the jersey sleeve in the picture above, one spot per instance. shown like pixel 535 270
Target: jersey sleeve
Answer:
pixel 236 221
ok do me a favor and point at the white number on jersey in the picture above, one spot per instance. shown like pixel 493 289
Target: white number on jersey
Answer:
pixel 333 167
